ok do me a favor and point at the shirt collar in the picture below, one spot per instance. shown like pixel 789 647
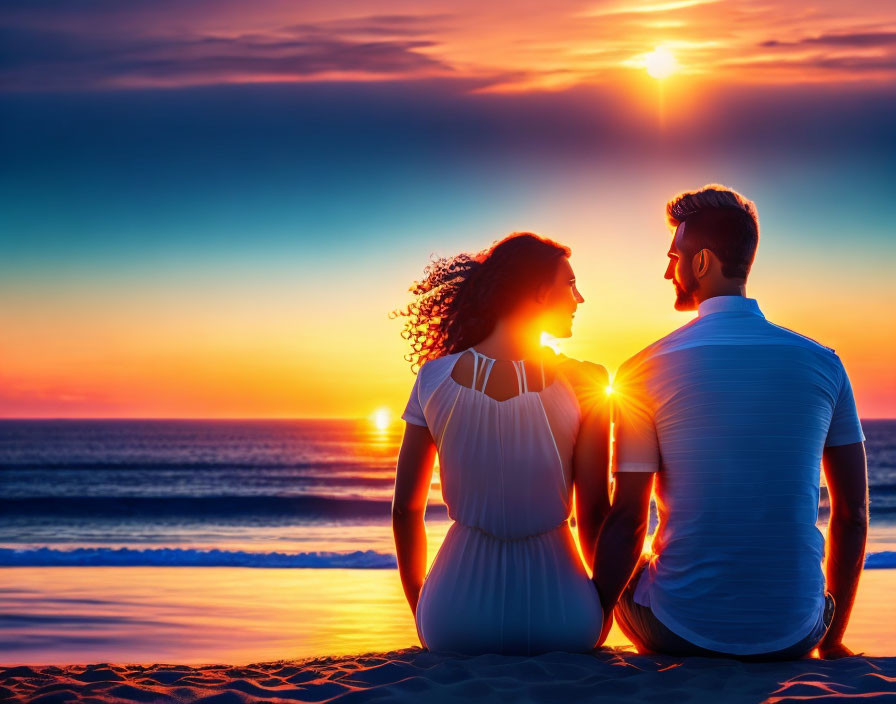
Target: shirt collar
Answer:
pixel 728 304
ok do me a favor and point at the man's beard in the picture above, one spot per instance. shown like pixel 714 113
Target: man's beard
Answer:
pixel 684 294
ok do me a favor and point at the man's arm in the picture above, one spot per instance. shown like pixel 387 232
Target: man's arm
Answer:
pixel 847 479
pixel 636 459
pixel 621 540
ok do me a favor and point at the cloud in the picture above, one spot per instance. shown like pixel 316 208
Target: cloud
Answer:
pixel 386 25
pixel 857 39
pixel 853 55
pixel 819 66
pixel 52 60
pixel 165 44
pixel 671 6
pixel 859 64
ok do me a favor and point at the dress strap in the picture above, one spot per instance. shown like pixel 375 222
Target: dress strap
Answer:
pixel 490 364
pixel 475 367
pixel 519 379
pixel 520 369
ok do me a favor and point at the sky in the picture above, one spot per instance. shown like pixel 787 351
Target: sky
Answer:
pixel 209 209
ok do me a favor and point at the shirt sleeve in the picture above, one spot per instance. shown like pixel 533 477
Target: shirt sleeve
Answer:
pixel 413 412
pixel 845 428
pixel 637 447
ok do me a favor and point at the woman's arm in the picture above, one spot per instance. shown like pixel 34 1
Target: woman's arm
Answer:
pixel 591 459
pixel 412 479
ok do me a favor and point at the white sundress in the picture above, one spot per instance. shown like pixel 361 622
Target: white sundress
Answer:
pixel 508 577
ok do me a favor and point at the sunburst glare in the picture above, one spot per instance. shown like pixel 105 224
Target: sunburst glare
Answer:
pixel 660 63
pixel 550 341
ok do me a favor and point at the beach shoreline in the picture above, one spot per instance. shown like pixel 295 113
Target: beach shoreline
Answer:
pixel 201 615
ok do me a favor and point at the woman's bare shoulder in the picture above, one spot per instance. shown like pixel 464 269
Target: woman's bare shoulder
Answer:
pixel 439 367
pixel 578 371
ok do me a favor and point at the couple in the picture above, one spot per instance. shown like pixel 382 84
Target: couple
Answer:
pixel 726 420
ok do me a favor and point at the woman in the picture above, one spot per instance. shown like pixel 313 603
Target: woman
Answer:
pixel 516 429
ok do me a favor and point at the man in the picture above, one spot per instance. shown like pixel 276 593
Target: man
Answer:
pixel 727 419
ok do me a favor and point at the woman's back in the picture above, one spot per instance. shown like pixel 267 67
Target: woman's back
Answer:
pixel 506 465
pixel 508 577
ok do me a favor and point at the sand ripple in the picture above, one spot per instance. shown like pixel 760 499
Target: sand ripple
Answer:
pixel 416 676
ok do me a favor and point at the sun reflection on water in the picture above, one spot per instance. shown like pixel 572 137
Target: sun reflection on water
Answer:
pixel 382 419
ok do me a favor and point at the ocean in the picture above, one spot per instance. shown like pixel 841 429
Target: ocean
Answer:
pixel 303 493
pixel 178 541
pixel 311 494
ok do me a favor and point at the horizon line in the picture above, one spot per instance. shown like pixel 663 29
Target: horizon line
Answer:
pixel 204 418
pixel 239 418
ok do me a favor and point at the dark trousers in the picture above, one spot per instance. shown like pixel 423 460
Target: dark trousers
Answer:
pixel 650 635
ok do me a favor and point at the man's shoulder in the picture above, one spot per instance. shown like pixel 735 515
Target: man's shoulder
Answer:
pixel 795 338
pixel 693 334
pixel 664 344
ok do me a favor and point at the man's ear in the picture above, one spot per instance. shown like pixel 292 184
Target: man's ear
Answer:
pixel 702 263
pixel 541 293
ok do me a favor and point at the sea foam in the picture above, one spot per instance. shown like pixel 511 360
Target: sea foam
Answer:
pixel 185 557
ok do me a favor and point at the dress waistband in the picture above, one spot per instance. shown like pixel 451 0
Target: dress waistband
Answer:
pixel 477 529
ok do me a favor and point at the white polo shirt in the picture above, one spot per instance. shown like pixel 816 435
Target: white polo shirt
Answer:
pixel 733 413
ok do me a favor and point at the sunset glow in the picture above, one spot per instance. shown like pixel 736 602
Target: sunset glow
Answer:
pixel 209 213
pixel 246 250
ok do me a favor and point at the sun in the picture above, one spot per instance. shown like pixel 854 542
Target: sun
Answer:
pixel 660 63
pixel 382 419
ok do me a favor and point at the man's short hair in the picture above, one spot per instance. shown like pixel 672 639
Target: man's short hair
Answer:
pixel 720 220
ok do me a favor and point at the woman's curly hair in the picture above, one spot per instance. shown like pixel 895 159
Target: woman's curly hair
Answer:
pixel 459 299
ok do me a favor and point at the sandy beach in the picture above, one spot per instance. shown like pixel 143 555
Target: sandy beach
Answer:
pixel 413 675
